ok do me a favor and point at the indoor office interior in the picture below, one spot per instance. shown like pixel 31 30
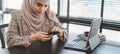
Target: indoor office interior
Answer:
pixel 76 16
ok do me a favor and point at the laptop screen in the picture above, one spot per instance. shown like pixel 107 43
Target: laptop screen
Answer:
pixel 93 35
pixel 95 27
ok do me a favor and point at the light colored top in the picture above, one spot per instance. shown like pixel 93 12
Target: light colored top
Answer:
pixel 18 32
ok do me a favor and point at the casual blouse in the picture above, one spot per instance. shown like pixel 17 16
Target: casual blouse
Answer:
pixel 18 32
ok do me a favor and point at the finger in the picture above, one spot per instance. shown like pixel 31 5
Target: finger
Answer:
pixel 47 36
pixel 56 29
pixel 46 39
pixel 44 32
pixel 60 30
pixel 53 28
pixel 51 35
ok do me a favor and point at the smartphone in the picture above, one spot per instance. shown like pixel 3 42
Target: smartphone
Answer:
pixel 52 33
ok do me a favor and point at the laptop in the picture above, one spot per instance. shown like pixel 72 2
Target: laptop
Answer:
pixel 93 39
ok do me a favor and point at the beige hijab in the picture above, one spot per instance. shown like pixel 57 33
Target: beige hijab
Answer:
pixel 33 22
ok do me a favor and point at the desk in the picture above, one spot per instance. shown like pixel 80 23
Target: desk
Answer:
pixel 55 46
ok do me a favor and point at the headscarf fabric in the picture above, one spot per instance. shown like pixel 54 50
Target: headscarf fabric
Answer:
pixel 34 22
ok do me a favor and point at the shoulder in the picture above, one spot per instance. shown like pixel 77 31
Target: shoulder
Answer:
pixel 15 13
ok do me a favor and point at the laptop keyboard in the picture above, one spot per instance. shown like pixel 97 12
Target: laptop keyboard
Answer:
pixel 76 44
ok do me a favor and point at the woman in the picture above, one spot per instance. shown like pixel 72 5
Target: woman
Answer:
pixel 32 23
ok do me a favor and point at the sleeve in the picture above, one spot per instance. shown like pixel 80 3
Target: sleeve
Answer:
pixel 57 23
pixel 13 37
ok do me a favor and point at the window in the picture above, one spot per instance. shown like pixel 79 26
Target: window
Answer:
pixel 112 9
pixel 82 8
pixel 0 4
pixel 92 8
pixel 13 4
pixel 85 8
pixel 63 7
pixel 53 5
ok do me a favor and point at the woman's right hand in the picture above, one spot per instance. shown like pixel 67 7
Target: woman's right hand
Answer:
pixel 40 36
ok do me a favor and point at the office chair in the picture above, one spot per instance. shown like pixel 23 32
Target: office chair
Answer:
pixel 1 35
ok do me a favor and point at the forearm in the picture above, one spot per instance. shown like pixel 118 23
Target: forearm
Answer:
pixel 32 38
pixel 62 35
pixel 18 41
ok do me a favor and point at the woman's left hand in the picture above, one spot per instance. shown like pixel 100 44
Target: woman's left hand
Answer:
pixel 60 33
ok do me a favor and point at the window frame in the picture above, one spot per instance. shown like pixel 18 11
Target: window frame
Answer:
pixel 106 23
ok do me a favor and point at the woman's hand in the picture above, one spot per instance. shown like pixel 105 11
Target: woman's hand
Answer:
pixel 60 33
pixel 40 36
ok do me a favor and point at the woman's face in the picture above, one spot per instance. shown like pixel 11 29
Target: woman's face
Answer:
pixel 40 7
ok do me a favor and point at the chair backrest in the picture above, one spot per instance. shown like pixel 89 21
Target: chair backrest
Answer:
pixel 1 34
